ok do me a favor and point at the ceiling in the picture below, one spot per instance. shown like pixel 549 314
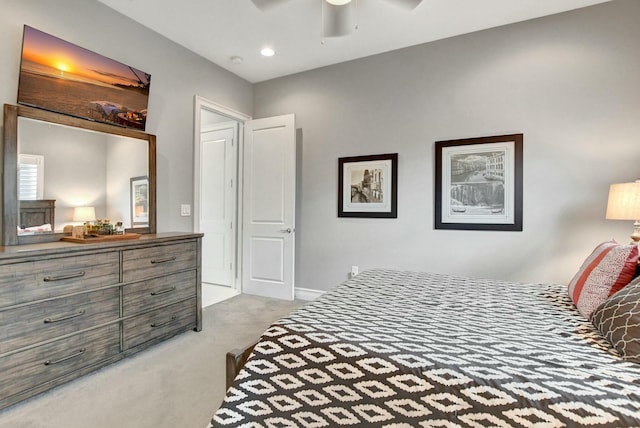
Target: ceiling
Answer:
pixel 221 29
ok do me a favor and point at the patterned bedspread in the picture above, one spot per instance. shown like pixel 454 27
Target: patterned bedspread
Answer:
pixel 407 349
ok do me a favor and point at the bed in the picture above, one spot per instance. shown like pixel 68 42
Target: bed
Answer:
pixel 404 349
pixel 37 216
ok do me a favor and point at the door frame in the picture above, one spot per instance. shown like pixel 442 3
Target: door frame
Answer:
pixel 201 103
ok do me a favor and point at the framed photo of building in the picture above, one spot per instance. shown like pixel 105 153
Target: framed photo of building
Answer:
pixel 367 186
pixel 478 183
pixel 139 201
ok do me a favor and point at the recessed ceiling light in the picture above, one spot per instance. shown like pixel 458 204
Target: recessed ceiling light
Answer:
pixel 236 59
pixel 267 52
pixel 338 2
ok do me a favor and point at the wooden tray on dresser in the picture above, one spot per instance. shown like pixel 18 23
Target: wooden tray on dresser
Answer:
pixel 101 238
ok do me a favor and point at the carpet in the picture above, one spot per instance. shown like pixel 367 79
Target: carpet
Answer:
pixel 176 384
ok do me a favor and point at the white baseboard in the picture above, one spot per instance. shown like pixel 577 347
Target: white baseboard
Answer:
pixel 307 293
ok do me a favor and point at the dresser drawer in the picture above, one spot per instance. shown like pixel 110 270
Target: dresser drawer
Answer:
pixel 27 369
pixel 143 263
pixel 27 325
pixel 158 292
pixel 164 322
pixel 41 279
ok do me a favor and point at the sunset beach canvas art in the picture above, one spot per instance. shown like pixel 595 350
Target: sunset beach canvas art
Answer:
pixel 59 76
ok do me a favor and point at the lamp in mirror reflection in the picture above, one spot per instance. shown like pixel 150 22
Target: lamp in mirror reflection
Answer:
pixel 83 214
pixel 624 204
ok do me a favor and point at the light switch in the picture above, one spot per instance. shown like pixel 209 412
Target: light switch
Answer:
pixel 185 210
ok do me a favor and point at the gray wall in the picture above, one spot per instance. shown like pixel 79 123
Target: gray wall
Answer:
pixel 569 82
pixel 176 76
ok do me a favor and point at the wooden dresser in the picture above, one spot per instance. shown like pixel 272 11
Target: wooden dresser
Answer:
pixel 68 309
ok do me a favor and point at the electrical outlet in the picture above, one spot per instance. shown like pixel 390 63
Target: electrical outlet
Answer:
pixel 354 271
pixel 185 210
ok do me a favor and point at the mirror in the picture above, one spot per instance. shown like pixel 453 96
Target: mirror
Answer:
pixel 81 163
pixel 77 168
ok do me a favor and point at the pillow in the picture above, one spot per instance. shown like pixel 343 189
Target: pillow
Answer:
pixel 618 320
pixel 608 269
pixel 34 229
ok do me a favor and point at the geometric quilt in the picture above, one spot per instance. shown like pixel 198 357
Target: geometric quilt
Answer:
pixel 409 349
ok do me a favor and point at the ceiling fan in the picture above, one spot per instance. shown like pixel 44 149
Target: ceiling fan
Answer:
pixel 337 15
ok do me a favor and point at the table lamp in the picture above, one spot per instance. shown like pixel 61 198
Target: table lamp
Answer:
pixel 624 204
pixel 84 214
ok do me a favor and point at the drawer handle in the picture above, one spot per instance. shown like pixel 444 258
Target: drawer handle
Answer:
pixel 166 259
pixel 64 317
pixel 166 290
pixel 162 324
pixel 68 357
pixel 62 277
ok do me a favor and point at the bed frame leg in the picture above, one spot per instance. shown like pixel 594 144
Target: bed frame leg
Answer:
pixel 236 359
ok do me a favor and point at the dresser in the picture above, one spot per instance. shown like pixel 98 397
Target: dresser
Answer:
pixel 68 309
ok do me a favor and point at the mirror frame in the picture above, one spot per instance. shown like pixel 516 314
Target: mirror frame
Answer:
pixel 11 206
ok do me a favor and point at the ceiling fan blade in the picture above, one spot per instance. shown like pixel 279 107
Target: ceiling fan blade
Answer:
pixel 337 21
pixel 406 4
pixel 267 4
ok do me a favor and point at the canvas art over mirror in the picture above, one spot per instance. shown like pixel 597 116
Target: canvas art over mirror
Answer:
pixel 59 76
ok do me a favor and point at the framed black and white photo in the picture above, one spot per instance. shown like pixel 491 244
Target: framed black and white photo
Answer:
pixel 478 183
pixel 367 186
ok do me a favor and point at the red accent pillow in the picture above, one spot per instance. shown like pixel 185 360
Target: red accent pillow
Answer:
pixel 608 269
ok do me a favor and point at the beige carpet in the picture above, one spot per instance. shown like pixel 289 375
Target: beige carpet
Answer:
pixel 177 384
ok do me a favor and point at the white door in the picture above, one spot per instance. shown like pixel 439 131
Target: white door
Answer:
pixel 269 207
pixel 218 202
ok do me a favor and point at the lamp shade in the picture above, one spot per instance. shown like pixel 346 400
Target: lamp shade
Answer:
pixel 624 201
pixel 84 214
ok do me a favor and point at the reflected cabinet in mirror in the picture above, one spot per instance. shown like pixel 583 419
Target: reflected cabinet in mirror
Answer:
pixel 62 171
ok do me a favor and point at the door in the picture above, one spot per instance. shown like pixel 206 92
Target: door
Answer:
pixel 218 202
pixel 269 207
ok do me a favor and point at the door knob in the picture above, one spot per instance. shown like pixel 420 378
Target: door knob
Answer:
pixel 287 230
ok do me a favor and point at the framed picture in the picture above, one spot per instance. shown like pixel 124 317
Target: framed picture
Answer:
pixel 367 186
pixel 478 183
pixel 139 201
pixel 62 77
